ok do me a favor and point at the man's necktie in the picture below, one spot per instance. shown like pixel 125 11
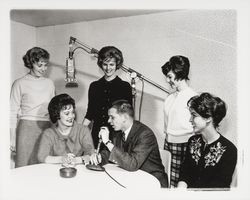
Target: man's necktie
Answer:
pixel 123 137
pixel 124 144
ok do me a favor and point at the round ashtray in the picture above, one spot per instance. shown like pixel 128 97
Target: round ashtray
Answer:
pixel 68 172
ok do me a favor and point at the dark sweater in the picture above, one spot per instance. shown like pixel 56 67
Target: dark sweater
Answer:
pixel 209 165
pixel 101 95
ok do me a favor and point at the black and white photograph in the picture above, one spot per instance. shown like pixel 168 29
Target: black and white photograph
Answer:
pixel 104 100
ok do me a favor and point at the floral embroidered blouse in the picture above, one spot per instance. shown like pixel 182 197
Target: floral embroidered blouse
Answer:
pixel 209 165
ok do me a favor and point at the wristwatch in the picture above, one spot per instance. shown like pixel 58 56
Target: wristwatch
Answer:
pixel 109 141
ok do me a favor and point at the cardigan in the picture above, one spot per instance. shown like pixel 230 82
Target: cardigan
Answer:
pixel 101 95
pixel 177 126
pixel 209 165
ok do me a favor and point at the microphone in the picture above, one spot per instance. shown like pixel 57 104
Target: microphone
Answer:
pixel 96 167
pixel 70 66
pixel 99 145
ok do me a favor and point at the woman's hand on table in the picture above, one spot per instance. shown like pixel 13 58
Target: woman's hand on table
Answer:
pixel 69 160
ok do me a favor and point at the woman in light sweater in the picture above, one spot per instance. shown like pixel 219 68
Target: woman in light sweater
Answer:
pixel 29 100
pixel 177 127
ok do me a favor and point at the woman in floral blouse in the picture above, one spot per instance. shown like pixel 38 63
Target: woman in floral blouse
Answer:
pixel 210 158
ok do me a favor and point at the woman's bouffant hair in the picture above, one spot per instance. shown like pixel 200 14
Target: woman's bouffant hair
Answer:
pixel 33 55
pixel 57 103
pixel 207 105
pixel 109 52
pixel 179 65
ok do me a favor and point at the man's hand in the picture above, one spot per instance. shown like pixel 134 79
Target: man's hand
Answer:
pixel 104 134
pixel 95 159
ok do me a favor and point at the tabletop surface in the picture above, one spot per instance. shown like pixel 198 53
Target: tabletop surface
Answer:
pixel 44 181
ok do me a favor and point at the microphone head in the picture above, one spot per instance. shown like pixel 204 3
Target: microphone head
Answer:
pixel 71 40
pixel 70 73
pixel 94 51
pixel 133 75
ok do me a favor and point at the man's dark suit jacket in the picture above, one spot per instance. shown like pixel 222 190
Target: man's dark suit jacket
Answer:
pixel 140 151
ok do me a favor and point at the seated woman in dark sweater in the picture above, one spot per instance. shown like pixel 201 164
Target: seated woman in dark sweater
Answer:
pixel 210 158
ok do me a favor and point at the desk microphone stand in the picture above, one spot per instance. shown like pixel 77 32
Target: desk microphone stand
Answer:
pixel 93 166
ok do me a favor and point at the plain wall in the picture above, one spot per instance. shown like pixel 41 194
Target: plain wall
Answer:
pixel 206 37
pixel 23 37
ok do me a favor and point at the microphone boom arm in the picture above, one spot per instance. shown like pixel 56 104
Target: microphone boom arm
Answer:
pixel 129 70
pixel 94 51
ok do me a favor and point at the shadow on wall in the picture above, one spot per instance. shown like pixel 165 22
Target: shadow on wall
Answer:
pixel 75 92
pixel 78 72
pixel 152 114
pixel 148 104
pixel 223 128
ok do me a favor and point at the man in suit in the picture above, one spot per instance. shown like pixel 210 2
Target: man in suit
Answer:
pixel 134 145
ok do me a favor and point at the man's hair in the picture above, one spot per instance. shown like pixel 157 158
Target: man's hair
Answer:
pixel 122 107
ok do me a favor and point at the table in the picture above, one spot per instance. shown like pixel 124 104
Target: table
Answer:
pixel 43 181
